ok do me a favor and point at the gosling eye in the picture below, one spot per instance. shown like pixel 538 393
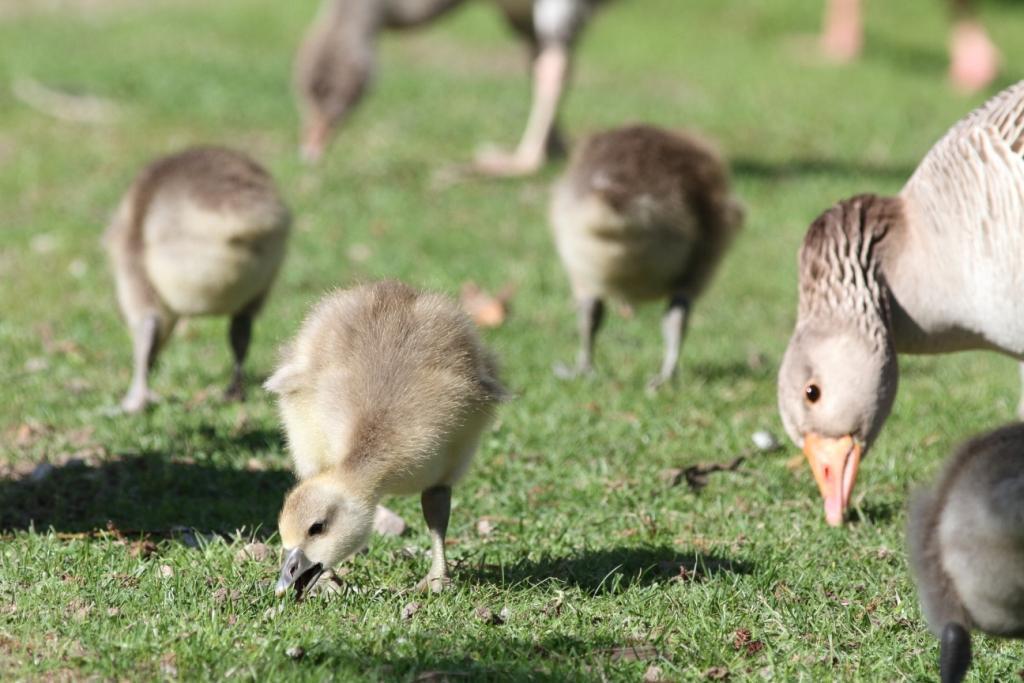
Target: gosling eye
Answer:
pixel 812 392
pixel 316 528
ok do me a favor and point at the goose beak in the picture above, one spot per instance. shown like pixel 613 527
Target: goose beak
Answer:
pixel 314 140
pixel 299 571
pixel 834 462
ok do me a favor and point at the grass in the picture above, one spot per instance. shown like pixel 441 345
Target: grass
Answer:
pixel 589 541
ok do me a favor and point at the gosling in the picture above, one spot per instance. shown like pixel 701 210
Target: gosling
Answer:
pixel 200 232
pixel 384 391
pixel 641 213
pixel 966 539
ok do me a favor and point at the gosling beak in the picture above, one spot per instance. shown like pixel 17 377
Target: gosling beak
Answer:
pixel 299 571
pixel 834 462
pixel 314 140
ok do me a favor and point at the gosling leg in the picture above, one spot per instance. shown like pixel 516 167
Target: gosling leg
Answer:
pixel 437 506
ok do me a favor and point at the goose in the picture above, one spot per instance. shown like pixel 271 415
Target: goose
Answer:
pixel 935 269
pixel 199 232
pixel 384 391
pixel 966 543
pixel 641 213
pixel 336 61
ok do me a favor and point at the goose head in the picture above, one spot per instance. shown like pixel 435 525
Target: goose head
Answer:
pixel 332 74
pixel 836 388
pixel 320 525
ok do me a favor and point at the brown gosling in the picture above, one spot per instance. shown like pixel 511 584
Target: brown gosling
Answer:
pixel 642 213
pixel 966 539
pixel 200 232
pixel 384 391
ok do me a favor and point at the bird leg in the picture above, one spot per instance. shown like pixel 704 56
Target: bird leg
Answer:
pixel 437 505
pixel 842 36
pixel 589 316
pixel 673 328
pixel 550 73
pixel 955 653
pixel 974 59
pixel 239 334
pixel 145 347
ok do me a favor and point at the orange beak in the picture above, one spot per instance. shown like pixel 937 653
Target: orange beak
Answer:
pixel 314 140
pixel 834 463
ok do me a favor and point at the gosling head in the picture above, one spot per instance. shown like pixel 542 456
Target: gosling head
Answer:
pixel 330 81
pixel 836 388
pixel 320 525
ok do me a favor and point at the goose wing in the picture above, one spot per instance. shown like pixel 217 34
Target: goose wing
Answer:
pixel 973 178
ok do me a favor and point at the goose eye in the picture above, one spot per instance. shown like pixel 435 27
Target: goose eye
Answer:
pixel 812 392
pixel 316 528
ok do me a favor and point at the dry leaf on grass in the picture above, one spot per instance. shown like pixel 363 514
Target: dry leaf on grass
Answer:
pixel 255 465
pixel 489 617
pixel 554 607
pixel 142 549
pixel 166 571
pixel 653 675
pixel 257 552
pixel 27 434
pixel 717 673
pixel 410 610
pixel 486 310
pixel 169 665
pixel 485 527
pixel 744 641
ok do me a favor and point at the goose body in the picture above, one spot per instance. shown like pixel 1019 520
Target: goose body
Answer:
pixel 384 391
pixel 642 213
pixel 200 232
pixel 966 540
pixel 935 269
pixel 337 57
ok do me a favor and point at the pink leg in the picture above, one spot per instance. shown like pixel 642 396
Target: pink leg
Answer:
pixel 842 35
pixel 974 60
pixel 550 71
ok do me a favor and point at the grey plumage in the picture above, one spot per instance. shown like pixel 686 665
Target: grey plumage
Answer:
pixel 966 542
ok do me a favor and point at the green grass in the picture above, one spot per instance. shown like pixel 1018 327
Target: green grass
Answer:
pixel 588 537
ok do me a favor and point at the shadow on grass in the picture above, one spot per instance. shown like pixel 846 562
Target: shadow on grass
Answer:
pixel 609 570
pixel 146 492
pixel 728 370
pixel 555 657
pixel 874 513
pixel 798 168
pixel 254 441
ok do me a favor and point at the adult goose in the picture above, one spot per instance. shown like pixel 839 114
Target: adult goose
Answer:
pixel 966 540
pixel 337 57
pixel 936 269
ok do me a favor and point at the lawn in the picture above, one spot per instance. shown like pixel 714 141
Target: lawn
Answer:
pixel 120 561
